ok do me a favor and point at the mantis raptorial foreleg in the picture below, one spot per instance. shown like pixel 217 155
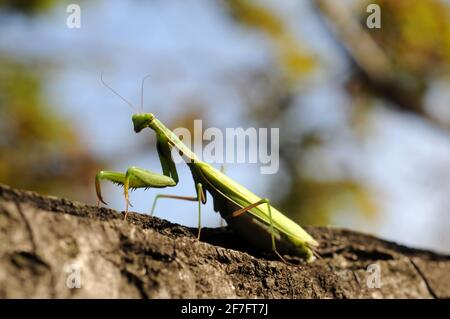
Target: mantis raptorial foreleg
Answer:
pixel 134 178
pixel 114 177
pixel 272 231
pixel 201 198
pixel 147 178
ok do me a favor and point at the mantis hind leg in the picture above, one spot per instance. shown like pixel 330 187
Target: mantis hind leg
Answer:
pixel 201 198
pixel 272 231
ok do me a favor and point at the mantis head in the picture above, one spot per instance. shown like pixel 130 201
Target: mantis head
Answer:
pixel 141 121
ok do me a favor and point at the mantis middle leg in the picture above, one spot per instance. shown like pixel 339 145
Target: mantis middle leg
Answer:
pixel 201 198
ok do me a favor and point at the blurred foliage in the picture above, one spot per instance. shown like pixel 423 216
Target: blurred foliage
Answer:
pixel 416 36
pixel 39 150
pixel 293 58
pixel 318 201
pixel 26 6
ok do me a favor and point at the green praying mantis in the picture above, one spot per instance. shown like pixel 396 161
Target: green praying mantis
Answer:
pixel 249 216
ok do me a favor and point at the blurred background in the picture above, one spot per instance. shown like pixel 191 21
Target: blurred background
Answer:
pixel 364 114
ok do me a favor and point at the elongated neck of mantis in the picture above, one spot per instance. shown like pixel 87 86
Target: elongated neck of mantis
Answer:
pixel 160 128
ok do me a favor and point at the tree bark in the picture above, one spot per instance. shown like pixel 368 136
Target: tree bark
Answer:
pixel 54 248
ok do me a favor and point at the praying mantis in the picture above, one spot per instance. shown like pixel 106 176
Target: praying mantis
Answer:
pixel 250 217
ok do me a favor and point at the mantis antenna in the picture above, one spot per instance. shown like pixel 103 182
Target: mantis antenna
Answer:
pixel 142 92
pixel 114 91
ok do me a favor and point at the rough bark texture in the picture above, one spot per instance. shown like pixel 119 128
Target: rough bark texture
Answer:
pixel 44 241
